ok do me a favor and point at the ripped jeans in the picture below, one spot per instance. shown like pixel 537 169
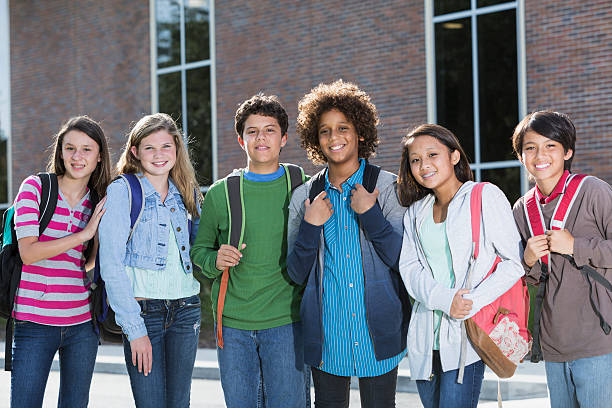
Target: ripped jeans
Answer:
pixel 173 327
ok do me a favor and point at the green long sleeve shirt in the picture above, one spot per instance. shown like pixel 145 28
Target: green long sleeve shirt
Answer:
pixel 260 294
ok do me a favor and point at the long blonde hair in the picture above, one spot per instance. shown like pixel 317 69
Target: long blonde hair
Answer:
pixel 182 174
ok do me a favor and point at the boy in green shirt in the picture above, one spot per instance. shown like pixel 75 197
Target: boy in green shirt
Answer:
pixel 259 337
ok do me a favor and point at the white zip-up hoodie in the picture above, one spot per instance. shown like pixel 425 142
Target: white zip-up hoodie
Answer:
pixel 498 237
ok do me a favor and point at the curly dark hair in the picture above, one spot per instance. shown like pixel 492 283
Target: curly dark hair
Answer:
pixel 347 98
pixel 265 105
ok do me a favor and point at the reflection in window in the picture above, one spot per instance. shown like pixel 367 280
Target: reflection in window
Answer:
pixel 168 32
pixel 183 75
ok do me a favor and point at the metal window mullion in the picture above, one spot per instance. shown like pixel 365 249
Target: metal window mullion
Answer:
pixel 474 11
pixel 153 56
pixel 503 164
pixel 475 96
pixel 177 68
pixel 213 88
pixel 522 77
pixel 183 72
pixel 6 39
pixel 430 62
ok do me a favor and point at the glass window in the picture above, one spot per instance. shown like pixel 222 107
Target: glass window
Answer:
pixel 477 85
pixel 454 80
pixel 168 14
pixel 450 6
pixel 183 76
pixel 497 85
pixel 5 104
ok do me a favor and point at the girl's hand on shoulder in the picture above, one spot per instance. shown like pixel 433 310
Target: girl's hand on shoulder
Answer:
pixel 460 307
pixel 361 200
pixel 319 211
pixel 92 226
pixel 560 241
pixel 228 256
pixel 537 247
pixel 142 354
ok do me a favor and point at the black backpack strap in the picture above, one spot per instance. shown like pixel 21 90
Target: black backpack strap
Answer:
pixel 317 185
pixel 296 176
pixel 370 176
pixel 48 199
pixel 233 185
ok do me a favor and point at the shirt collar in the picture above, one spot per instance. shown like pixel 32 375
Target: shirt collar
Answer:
pixel 356 177
pixel 148 189
pixel 558 190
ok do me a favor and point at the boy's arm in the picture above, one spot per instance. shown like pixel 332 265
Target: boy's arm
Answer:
pixel 302 239
pixel 383 226
pixel 597 250
pixel 204 249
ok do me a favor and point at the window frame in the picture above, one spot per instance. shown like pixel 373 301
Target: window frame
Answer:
pixel 183 67
pixel 5 85
pixel 473 13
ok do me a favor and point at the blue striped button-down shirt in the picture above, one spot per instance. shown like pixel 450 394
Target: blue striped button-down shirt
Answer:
pixel 347 348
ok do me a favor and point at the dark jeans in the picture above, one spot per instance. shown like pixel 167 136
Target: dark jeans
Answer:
pixel 34 347
pixel 443 391
pixel 332 391
pixel 173 327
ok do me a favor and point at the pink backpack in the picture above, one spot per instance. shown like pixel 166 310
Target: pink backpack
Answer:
pixel 498 332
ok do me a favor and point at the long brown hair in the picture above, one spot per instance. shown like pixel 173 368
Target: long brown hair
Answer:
pixel 101 176
pixel 182 174
pixel 408 190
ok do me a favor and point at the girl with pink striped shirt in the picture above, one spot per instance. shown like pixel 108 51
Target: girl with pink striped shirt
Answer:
pixel 52 309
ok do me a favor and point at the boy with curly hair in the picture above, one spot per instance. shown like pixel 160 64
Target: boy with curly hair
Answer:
pixel 345 246
pixel 259 334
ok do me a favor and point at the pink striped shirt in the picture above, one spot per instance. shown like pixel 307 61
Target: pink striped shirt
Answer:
pixel 53 291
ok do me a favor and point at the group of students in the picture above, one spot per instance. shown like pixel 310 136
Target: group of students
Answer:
pixel 338 275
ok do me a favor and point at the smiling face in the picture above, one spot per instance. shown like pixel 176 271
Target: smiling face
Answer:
pixel 262 140
pixel 80 154
pixel 156 153
pixel 431 163
pixel 338 139
pixel 544 158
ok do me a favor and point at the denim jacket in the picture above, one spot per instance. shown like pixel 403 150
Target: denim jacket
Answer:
pixel 147 249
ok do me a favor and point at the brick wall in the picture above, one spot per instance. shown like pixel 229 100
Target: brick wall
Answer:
pixel 287 50
pixel 70 58
pixel 569 69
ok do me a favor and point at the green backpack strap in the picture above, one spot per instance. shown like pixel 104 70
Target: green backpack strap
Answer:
pixel 295 176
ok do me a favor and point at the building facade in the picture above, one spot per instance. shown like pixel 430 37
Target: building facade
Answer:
pixel 475 66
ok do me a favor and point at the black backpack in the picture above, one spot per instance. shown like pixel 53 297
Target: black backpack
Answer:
pixel 10 261
pixel 370 177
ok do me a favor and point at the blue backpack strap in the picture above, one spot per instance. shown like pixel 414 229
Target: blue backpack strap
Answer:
pixel 136 194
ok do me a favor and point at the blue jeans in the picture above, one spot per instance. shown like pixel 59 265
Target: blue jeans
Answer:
pixel 173 327
pixel 586 382
pixel 264 368
pixel 34 347
pixel 443 391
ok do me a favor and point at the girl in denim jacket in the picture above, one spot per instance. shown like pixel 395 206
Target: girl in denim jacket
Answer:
pixel 149 276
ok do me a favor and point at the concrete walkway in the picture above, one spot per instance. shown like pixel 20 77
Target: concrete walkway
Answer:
pixel 527 388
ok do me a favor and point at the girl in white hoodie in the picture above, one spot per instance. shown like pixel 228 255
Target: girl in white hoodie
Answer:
pixel 435 181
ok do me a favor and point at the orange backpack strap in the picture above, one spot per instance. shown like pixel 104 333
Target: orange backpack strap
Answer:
pixel 233 196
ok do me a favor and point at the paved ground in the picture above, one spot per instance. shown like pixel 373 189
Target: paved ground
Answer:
pixel 111 388
pixel 113 391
